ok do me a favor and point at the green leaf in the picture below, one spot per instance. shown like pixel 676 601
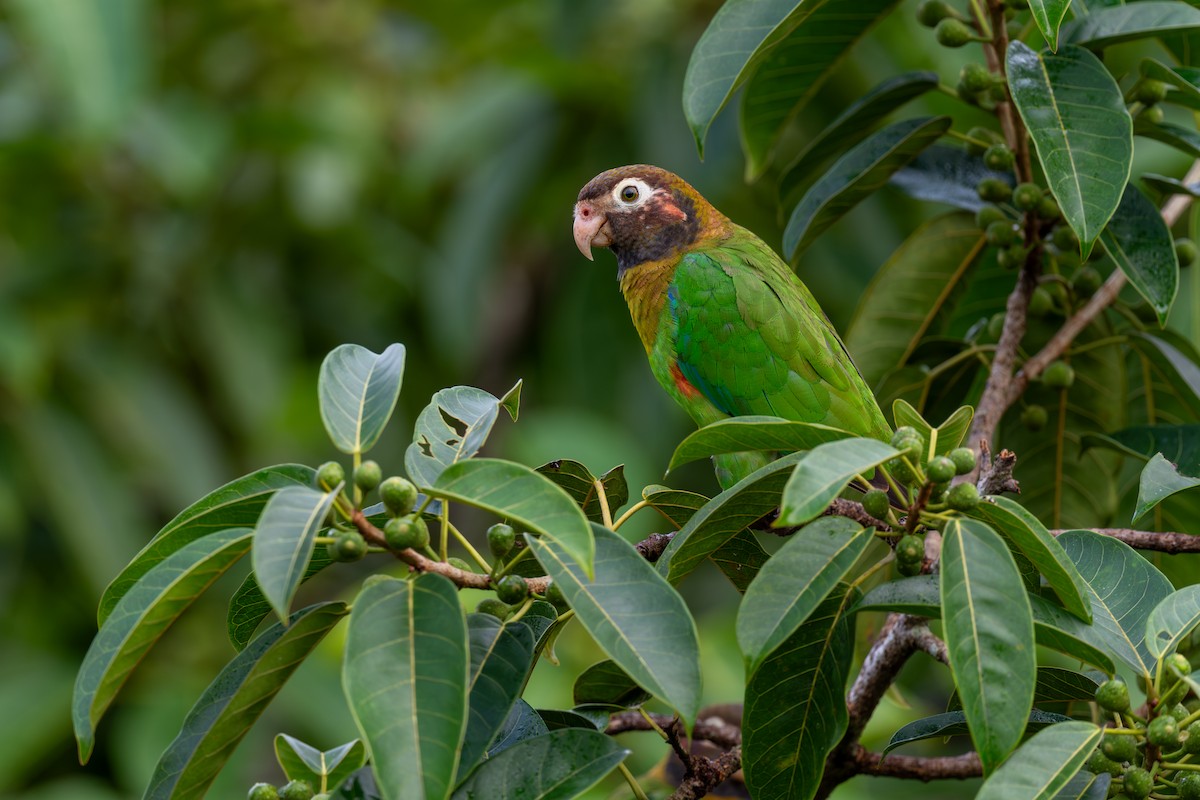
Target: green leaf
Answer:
pixel 405 678
pixel 824 472
pixel 740 434
pixel 236 504
pixel 1179 444
pixel 1048 14
pixel 1185 79
pixel 949 434
pixel 511 401
pixel 723 516
pixel 1054 685
pixel 556 719
pixel 1125 588
pixel 141 617
pixel 234 700
pixel 452 428
pixel 1182 139
pixel 1160 479
pixel 954 723
pixel 856 175
pixel 558 765
pixel 521 723
pixel 1085 786
pixel 795 710
pixel 578 481
pixel 1172 620
pixel 1084 136
pixel 658 650
pixel 283 541
pixel 539 618
pixel 950 175
pixel 1023 531
pixel 1168 186
pixel 248 608
pixel 1044 765
pixel 793 70
pixel 988 629
pixel 606 684
pixel 358 390
pixel 524 496
pixel 323 770
pixel 501 657
pixel 740 559
pixel 677 506
pixel 1177 368
pixel 899 306
pixel 852 126
pixel 1107 26
pixel 797 579
pixel 1138 240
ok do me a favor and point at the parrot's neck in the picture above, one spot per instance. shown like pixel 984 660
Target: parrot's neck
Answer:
pixel 645 288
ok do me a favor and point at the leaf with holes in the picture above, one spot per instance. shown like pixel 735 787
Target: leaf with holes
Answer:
pixel 451 428
pixel 578 481
pixel 283 541
pixel 358 391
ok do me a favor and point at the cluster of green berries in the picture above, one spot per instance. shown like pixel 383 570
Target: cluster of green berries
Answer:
pixel 293 790
pixel 511 590
pixel 404 529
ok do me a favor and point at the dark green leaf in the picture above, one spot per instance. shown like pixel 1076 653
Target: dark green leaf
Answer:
pixel 856 175
pixel 1085 786
pixel 1179 444
pixel 1138 240
pixel 954 723
pixel 658 650
pixel 501 658
pixel 740 559
pixel 1176 367
pixel 606 684
pixel 949 434
pixel 556 719
pixel 1160 479
pixel 540 618
pixel 824 472
pixel 248 608
pixel 578 481
pixel 1054 685
pixel 142 616
pixel 675 505
pixel 1172 620
pixel 558 765
pixel 1107 26
pixel 283 541
pixel 521 723
pixel 323 770
pixel 1084 136
pixel 1048 14
pixel 450 429
pixel 950 175
pixel 234 700
pixel 740 434
pixel 1165 185
pixel 1044 765
pixel 359 786
pixel 358 390
pixel 1182 139
pixel 405 678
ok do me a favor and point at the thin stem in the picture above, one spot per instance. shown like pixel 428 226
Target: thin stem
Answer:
pixel 653 725
pixel 632 781
pixel 480 560
pixel 636 507
pixel 520 612
pixel 504 570
pixel 444 546
pixel 605 512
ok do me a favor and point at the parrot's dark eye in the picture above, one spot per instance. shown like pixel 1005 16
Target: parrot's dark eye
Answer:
pixel 629 193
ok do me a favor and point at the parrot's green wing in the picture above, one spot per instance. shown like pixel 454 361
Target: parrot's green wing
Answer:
pixel 752 340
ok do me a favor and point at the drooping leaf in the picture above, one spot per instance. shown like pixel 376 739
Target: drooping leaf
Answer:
pixel 511 401
pixel 405 677
pixel 557 719
pixel 989 636
pixel 1168 186
pixel 739 434
pixel 824 472
pixel 450 429
pixel 1138 240
pixel 1185 79
pixel 283 541
pixel 797 579
pixel 954 723
pixel 1048 14
pixel 522 495
pixel 303 762
pixel 1044 765
pixel 1054 685
pixel 949 434
pixel 950 175
pixel 1179 444
pixel 358 390
pixel 1107 26
pixel 141 617
pixel 501 657
pixel 234 700
pixel 236 504
pixel 1172 620
pixel 1176 367
pixel 659 651
pixel 522 723
pixel 1185 140
pixel 558 765
pixel 579 482
pixel 605 683
pixel 795 711
pixel 857 174
pixel 248 608
pixel 1160 479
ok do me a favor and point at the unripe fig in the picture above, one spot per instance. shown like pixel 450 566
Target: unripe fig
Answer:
pixel 1048 208
pixel 409 531
pixel 901 472
pixel 964 460
pixel 1040 302
pixel 1180 712
pixel 975 78
pixel 875 503
pixel 1113 695
pixel 554 597
pixel 1012 256
pixel 296 790
pixel 998 157
pixel 1178 663
pixel 1086 281
pixel 512 589
pixel 1059 375
pixel 263 791
pixel 940 469
pixel 993 190
pixel 1099 763
pixel 931 12
pixel 1119 748
pixel 988 214
pixel 912 446
pixel 497 608
pixel 347 546
pixel 910 549
pixel 329 475
pixel 368 475
pixel 501 538
pixel 908 568
pixel 1138 783
pixel 1001 234
pixel 1191 743
pixel 995 324
pixel 903 432
pixel 1065 239
pixel 963 497
pixel 953 33
pixel 1150 91
pixel 1027 196
pixel 1034 417
pixel 1153 115
pixel 1185 251
pixel 1163 732
pixel 1189 786
pixel 398 494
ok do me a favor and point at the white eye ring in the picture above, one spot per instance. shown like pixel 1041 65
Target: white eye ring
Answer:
pixel 631 192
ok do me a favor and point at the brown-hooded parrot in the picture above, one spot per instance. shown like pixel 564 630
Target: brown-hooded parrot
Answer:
pixel 728 327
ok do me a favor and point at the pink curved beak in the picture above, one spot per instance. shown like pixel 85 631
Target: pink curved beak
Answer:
pixel 590 228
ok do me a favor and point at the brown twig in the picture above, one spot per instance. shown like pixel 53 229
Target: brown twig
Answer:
pixel 707 774
pixel 1169 542
pixel 841 507
pixel 709 728
pixel 651 548
pixel 959 767
pixel 995 474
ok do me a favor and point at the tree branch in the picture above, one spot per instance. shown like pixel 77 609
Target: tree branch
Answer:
pixel 959 767
pixel 1169 542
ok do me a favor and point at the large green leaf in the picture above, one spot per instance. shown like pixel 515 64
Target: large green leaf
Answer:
pixel 1043 765
pixel 1125 588
pixel 950 175
pixel 1138 240
pixel 635 616
pixel 1024 532
pixel 324 770
pixel 1172 620
pixel 578 481
pixel 501 657
pixel 723 516
pixel 949 434
pixel 851 127
pixel 1160 479
pixel 248 607
pixel 857 174
pixel 1054 686
pixel 606 684
pixel 1176 368
pixel 1084 136
pixel 739 434
pixel 1182 139
pixel 909 291
pixel 405 677
pixel 794 69
pixel 988 628
pixel 954 723
pixel 558 765
pixel 283 541
pixel 677 506
pixel 797 579
pixel 740 559
pixel 1179 444
pixel 824 472
pixel 142 616
pixel 236 504
pixel 234 700
pixel 524 496
pixel 453 427
pixel 795 711
pixel 1048 14
pixel 1185 79
pixel 1107 26
pixel 358 390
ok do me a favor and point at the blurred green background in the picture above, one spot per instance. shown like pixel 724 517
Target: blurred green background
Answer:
pixel 200 198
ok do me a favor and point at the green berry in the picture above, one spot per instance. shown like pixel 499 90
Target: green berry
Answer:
pixel 1151 92
pixel 1027 196
pixel 347 546
pixel 1119 748
pixel 964 460
pixel 1185 251
pixel 963 497
pixel 1059 375
pixel 910 549
pixel 554 597
pixel 1048 208
pixel 901 472
pixel 996 324
pixel 1034 417
pixel 875 503
pixel 501 538
pixel 409 531
pixel 977 78
pixel 940 469
pixel 497 608
pixel 1163 732
pixel 908 568
pixel 1065 239
pixel 1001 234
pixel 1086 281
pixel 1180 712
pixel 1012 256
pixel 1138 783
pixel 1189 787
pixel 329 475
pixel 512 589
pixel 953 33
pixel 1153 115
pixel 988 214
pixel 998 157
pixel 993 190
pixel 368 475
pixel 1191 741
pixel 459 563
pixel 931 12
pixel 1178 663
pixel 263 791
pixel 903 432
pixel 911 446
pixel 296 790
pixel 1113 695
pixel 398 494
pixel 979 134
pixel 1099 763
pixel 1040 302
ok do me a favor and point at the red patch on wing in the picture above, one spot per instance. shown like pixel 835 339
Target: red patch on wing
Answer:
pixel 681 383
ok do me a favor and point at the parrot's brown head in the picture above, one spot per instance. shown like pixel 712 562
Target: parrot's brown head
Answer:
pixel 641 213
